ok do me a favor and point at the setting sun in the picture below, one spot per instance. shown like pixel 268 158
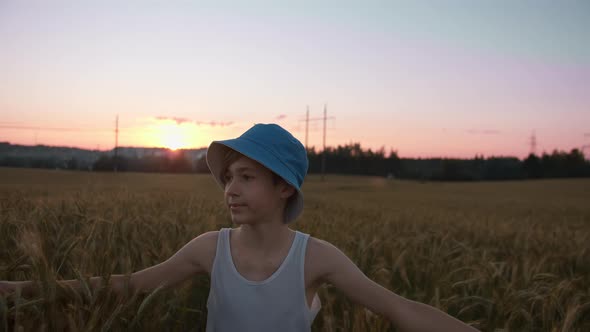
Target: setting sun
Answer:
pixel 174 137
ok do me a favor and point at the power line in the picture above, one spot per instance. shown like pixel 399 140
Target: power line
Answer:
pixel 105 130
pixel 307 120
pixel 306 126
pixel 584 147
pixel 324 149
pixel 324 119
pixel 533 142
pixel 116 141
pixel 51 128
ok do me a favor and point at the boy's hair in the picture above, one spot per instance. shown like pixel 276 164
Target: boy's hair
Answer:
pixel 232 155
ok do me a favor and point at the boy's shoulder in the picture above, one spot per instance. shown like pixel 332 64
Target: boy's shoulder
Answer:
pixel 203 248
pixel 207 239
pixel 318 255
pixel 316 246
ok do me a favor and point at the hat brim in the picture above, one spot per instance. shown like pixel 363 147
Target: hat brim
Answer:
pixel 215 158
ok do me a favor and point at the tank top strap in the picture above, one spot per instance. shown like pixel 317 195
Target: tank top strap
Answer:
pixel 301 243
pixel 222 250
pixel 221 239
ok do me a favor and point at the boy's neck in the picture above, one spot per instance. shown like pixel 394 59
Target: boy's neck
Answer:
pixel 267 238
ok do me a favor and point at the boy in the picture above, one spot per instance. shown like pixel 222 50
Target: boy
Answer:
pixel 265 276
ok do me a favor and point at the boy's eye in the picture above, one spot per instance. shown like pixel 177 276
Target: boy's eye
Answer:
pixel 228 178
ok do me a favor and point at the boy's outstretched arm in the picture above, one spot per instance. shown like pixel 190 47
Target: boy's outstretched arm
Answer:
pixel 404 314
pixel 193 258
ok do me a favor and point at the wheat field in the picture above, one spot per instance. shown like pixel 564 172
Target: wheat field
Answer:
pixel 501 256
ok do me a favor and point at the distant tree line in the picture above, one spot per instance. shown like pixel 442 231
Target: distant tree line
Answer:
pixel 352 159
pixel 37 162
pixel 177 163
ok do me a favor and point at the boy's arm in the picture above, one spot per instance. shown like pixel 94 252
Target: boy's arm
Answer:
pixel 193 258
pixel 405 314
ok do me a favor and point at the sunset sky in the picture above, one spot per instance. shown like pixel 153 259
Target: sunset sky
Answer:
pixel 438 79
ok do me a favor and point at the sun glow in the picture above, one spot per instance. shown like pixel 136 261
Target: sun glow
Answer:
pixel 174 136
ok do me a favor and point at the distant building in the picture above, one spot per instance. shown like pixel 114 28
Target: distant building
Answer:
pixel 140 152
pixel 13 155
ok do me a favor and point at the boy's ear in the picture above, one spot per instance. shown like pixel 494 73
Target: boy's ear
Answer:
pixel 287 190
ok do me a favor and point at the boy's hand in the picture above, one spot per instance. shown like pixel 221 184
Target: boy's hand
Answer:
pixel 9 287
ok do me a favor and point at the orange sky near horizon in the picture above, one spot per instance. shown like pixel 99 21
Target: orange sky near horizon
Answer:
pixel 170 134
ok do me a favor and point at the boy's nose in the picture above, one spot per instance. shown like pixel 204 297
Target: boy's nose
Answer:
pixel 231 188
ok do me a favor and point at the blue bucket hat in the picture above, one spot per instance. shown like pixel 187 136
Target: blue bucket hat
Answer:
pixel 273 147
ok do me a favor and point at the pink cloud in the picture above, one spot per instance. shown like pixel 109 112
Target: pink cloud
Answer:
pixel 178 121
pixel 212 123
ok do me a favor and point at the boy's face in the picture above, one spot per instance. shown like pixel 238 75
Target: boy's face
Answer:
pixel 251 193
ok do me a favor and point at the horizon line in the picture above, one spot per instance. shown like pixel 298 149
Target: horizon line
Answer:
pixel 477 155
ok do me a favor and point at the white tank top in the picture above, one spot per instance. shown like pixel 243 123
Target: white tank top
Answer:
pixel 275 304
